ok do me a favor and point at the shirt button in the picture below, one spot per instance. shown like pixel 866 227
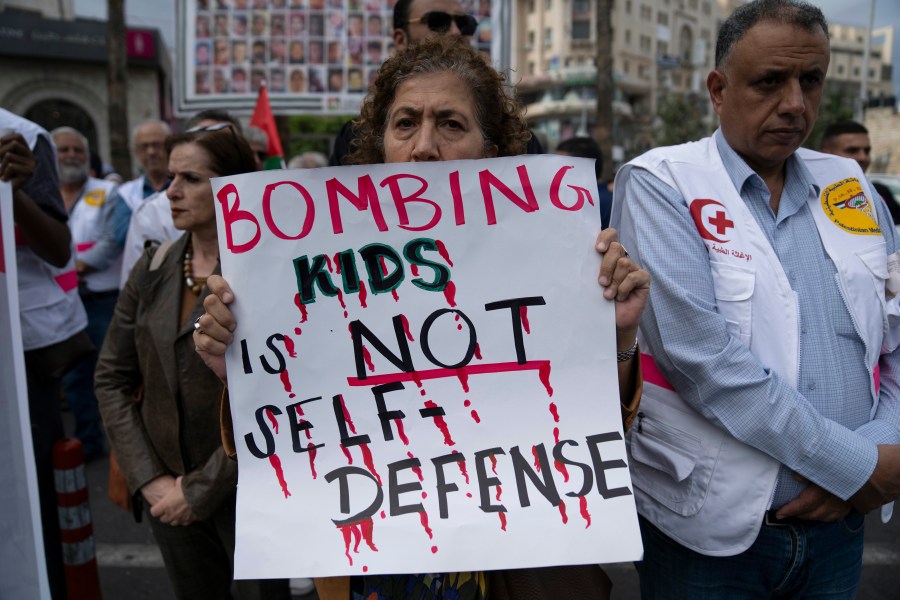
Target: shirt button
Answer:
pixel 811 385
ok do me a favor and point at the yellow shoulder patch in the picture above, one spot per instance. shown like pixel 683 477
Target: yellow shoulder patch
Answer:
pixel 95 198
pixel 846 205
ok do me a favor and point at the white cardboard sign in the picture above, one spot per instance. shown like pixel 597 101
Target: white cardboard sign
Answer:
pixel 423 377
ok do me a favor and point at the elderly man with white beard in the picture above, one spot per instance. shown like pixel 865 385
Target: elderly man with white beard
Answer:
pixel 91 204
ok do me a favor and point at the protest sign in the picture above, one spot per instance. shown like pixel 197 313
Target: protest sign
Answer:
pixel 23 573
pixel 423 377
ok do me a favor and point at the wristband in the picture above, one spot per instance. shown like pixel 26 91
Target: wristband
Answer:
pixel 627 354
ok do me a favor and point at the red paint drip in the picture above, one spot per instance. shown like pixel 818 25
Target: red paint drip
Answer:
pixel 337 263
pixel 286 382
pixel 365 569
pixel 562 512
pixel 556 435
pixel 422 392
pixel 493 463
pixel 401 432
pixel 312 458
pixel 347 415
pixel 299 408
pixel 276 464
pixel 499 493
pixel 328 263
pixel 308 431
pixel 289 346
pixel 340 296
pixel 442 250
pixel 406 330
pixel 347 532
pixel 272 419
pixel 544 374
pixel 395 295
pixel 369 462
pixel 562 469
pixel 298 331
pixel 347 454
pixel 502 520
pixel 367 357
pixel 468 494
pixel 477 351
pixel 467 403
pixel 414 269
pixel 441 424
pixel 537 463
pixel 463 377
pixel 555 412
pixel 363 294
pixel 416 470
pixel 368 526
pixel 383 515
pixel 434 549
pixel 584 511
pixel 450 294
pixel 462 467
pixel 459 327
pixel 475 416
pixel 416 379
pixel 301 306
pixel 423 519
pixel 523 315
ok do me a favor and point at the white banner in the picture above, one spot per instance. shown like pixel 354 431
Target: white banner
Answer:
pixel 423 378
pixel 23 572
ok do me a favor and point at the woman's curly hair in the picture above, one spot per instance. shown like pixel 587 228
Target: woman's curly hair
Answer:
pixel 497 108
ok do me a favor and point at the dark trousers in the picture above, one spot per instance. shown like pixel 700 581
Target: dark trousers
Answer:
pixel 78 384
pixel 200 559
pixel 46 428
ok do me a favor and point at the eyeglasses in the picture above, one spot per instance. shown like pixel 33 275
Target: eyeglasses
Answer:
pixel 219 127
pixel 439 22
pixel 144 146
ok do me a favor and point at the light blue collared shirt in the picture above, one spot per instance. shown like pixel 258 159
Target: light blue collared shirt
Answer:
pixel 823 430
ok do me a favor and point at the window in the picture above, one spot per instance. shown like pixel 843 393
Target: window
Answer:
pixel 840 69
pixel 627 7
pixel 530 6
pixel 662 48
pixel 704 34
pixel 530 40
pixel 662 18
pixel 531 68
pixel 646 13
pixel 548 37
pixel 646 43
pixel 707 8
pixel 628 36
pixel 856 71
pixel 626 67
pixel 692 4
pixel 548 5
pixel 643 71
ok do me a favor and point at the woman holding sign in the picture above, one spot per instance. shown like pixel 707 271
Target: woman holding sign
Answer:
pixel 435 101
pixel 159 403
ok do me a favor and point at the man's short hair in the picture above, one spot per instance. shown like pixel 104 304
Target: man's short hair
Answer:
pixel 840 128
pixel 72 131
pixel 159 123
pixel 583 147
pixel 255 135
pixel 790 12
pixel 401 14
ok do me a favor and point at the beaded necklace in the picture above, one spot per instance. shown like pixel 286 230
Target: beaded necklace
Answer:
pixel 193 284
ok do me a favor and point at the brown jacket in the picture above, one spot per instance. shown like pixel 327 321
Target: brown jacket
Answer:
pixel 174 429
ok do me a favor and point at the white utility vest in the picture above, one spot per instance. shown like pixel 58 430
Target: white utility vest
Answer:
pixel 132 193
pixel 693 480
pixel 49 307
pixel 86 227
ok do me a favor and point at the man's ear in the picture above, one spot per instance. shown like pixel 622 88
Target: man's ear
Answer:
pixel 715 84
pixel 401 39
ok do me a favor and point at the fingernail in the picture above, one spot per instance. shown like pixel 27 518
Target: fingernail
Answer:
pixel 604 280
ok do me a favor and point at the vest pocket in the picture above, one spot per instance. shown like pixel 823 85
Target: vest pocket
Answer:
pixel 672 466
pixel 734 292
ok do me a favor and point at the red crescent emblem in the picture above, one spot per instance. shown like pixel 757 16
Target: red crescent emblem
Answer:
pixel 718 221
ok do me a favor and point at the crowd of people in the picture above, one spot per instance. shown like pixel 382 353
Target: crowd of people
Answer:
pixel 764 357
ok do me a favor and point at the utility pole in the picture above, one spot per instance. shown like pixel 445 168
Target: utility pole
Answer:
pixel 604 61
pixel 117 88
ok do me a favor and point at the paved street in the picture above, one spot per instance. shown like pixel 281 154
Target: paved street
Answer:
pixel 131 567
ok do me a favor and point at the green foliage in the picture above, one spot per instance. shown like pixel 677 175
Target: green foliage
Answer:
pixel 835 106
pixel 313 133
pixel 678 120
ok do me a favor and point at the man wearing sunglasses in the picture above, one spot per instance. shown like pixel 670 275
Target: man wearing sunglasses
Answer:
pixel 415 20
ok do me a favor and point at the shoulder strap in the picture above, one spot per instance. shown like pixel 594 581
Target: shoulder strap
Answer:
pixel 160 255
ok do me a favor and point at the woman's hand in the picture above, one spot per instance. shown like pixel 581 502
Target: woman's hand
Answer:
pixel 173 509
pixel 156 490
pixel 624 281
pixel 216 326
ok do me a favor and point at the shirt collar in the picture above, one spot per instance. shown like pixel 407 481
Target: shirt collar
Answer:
pixel 798 181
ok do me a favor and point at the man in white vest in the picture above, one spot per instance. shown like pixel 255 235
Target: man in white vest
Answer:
pixel 91 204
pixel 149 140
pixel 771 406
pixel 49 308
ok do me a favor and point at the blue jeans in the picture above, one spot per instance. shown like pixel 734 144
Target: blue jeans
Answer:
pixel 78 384
pixel 809 560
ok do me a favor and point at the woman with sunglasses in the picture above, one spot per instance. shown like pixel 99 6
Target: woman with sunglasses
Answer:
pixel 159 403
pixel 440 100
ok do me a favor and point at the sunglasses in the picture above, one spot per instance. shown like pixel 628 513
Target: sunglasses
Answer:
pixel 219 127
pixel 439 22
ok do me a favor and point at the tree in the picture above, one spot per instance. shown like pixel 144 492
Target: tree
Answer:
pixel 678 120
pixel 604 60
pixel 116 80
